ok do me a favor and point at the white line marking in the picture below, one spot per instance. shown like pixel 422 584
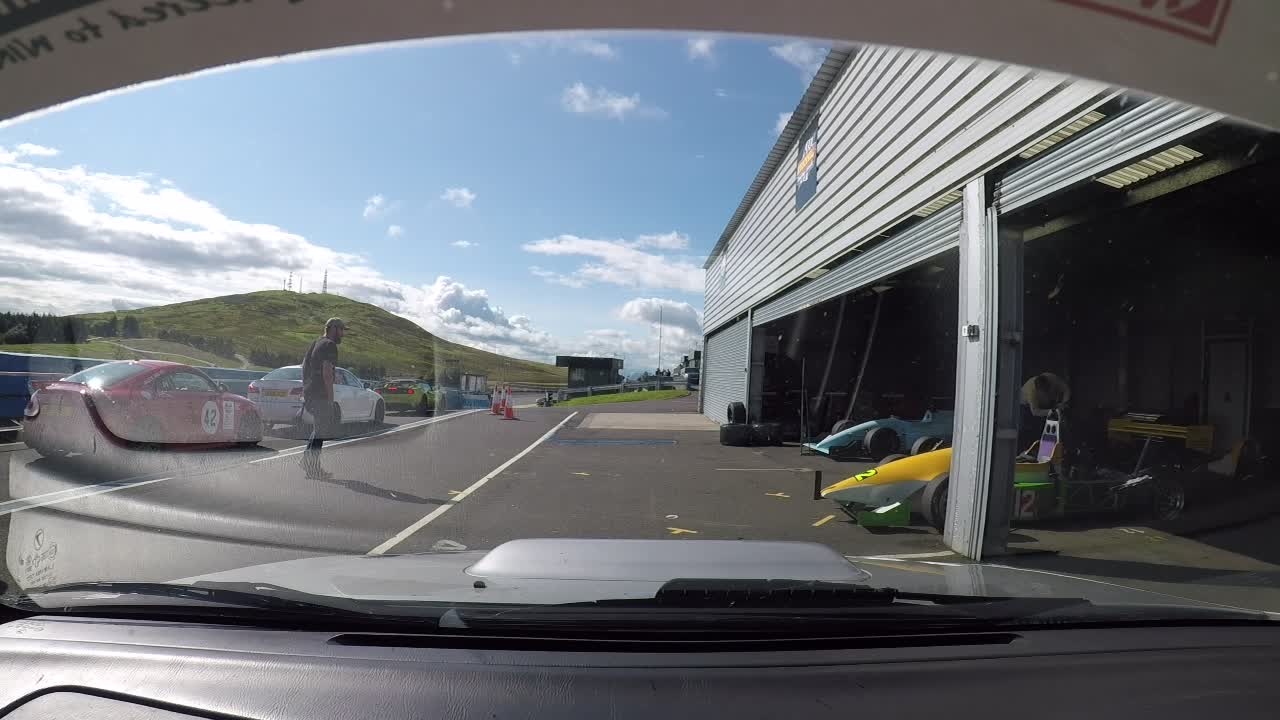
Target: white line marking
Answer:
pixel 12 446
pixel 60 496
pixel 904 556
pixel 431 516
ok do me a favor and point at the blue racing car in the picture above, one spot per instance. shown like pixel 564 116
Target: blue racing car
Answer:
pixel 880 438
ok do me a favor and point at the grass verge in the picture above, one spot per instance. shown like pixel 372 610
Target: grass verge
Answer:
pixel 624 397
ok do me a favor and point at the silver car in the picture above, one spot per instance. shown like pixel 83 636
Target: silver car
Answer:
pixel 278 396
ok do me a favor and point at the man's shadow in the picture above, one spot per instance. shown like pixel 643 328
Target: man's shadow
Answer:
pixel 365 488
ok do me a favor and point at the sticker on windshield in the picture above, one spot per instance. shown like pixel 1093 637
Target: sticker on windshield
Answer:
pixel 209 417
pixel 228 415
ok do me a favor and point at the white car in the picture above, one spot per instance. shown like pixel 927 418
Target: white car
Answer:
pixel 278 396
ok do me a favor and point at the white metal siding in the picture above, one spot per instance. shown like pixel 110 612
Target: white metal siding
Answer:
pixel 1136 134
pixel 918 243
pixel 724 370
pixel 897 129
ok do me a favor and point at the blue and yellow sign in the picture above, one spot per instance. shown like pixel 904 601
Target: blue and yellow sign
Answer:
pixel 807 164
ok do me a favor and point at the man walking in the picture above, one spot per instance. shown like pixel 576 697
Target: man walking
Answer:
pixel 318 369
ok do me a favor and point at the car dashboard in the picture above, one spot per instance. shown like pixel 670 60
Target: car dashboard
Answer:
pixel 88 668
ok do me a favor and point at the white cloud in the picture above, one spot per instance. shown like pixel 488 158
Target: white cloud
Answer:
pixel 806 57
pixel 35 150
pixel 557 278
pixel 721 92
pixel 464 244
pixel 451 309
pixel 781 124
pixel 459 197
pixel 394 231
pixel 618 262
pixel 701 47
pixel 594 48
pixel 665 241
pixel 573 43
pixel 375 207
pixel 671 313
pixel 25 150
pixel 578 98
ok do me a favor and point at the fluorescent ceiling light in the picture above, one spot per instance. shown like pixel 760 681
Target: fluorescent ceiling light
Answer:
pixel 1079 124
pixel 1143 169
pixel 938 204
pixel 815 274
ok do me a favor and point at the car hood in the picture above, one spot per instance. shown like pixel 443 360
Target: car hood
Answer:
pixel 553 571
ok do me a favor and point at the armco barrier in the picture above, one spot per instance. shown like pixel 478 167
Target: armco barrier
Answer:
pixel 663 384
pixel 18 369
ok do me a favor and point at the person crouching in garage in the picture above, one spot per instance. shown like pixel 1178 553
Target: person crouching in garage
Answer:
pixel 318 367
pixel 1041 395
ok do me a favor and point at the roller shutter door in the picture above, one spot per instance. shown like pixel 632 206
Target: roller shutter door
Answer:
pixel 724 370
pixel 1127 138
pixel 911 247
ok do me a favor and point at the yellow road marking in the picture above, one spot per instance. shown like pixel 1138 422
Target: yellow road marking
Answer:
pixel 778 495
pixel 682 531
pixel 455 492
pixel 904 567
pixel 824 521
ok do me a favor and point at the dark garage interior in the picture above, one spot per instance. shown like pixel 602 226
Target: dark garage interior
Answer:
pixel 812 359
pixel 1157 300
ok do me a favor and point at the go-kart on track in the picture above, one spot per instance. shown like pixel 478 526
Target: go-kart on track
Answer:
pixel 472 480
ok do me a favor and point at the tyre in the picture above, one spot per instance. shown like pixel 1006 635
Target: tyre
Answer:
pixel 880 442
pixel 766 433
pixel 933 501
pixel 737 414
pixel 379 413
pixel 735 435
pixel 250 432
pixel 925 444
pixel 1168 498
pixel 889 459
pixel 841 426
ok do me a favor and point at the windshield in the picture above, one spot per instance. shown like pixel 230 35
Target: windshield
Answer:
pixel 968 327
pixel 107 374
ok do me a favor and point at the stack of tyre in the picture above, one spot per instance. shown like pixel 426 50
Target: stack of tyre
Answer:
pixel 737 432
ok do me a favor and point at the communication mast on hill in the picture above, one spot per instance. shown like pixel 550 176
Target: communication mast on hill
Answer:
pixel 289 285
pixel 324 287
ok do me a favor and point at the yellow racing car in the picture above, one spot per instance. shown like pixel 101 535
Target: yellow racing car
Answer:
pixel 886 495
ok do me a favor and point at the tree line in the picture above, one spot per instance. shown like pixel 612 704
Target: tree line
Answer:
pixel 24 328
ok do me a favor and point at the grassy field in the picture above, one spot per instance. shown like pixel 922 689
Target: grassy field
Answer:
pixel 286 322
pixel 119 349
pixel 625 397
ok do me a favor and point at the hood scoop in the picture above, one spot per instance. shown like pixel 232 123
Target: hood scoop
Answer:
pixel 664 560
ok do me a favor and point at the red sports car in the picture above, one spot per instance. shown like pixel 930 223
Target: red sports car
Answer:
pixel 145 403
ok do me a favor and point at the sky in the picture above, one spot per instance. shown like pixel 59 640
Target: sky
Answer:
pixel 532 195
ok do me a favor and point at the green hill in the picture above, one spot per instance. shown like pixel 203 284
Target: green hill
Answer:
pixel 274 327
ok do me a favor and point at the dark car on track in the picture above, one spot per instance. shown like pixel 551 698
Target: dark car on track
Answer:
pixel 140 402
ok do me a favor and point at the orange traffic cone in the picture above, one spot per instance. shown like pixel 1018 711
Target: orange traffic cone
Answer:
pixel 510 413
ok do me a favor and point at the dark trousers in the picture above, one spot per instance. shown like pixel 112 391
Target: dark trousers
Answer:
pixel 321 429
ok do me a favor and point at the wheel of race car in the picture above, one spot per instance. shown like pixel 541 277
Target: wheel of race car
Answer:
pixel 880 442
pixel 735 434
pixel 737 414
pixel 841 426
pixel 890 458
pixel 925 444
pixel 1168 499
pixel 933 501
pixel 379 413
pixel 250 432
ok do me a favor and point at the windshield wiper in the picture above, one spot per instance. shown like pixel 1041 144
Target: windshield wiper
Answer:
pixel 219 597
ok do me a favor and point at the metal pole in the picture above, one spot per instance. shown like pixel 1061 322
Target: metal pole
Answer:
pixel 866 355
pixel 659 338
